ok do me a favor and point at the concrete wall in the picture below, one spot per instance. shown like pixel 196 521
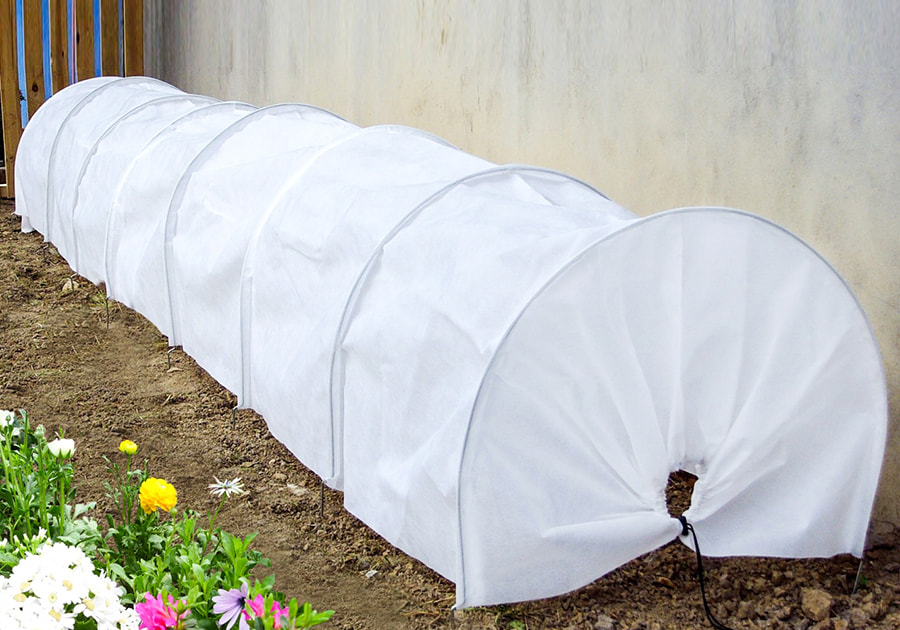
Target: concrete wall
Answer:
pixel 786 109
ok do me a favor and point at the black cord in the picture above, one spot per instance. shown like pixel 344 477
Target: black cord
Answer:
pixel 687 528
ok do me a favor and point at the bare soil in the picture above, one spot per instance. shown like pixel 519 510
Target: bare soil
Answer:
pixel 102 383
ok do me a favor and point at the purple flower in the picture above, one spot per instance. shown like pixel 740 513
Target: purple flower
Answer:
pixel 230 604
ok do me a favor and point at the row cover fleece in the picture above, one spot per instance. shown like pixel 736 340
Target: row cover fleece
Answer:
pixel 499 366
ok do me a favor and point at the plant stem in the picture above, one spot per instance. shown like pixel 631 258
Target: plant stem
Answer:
pixel 212 523
pixel 61 523
pixel 42 486
pixel 127 495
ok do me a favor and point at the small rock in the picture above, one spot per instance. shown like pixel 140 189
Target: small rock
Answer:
pixel 745 610
pixel 816 604
pixel 604 623
pixel 297 490
pixel 783 613
pixel 825 624
pixel 279 476
pixel 664 581
pixel 876 610
pixel 858 618
pixel 69 286
pixel 839 624
pixel 371 573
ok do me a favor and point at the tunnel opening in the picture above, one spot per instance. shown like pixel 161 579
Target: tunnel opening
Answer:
pixel 678 492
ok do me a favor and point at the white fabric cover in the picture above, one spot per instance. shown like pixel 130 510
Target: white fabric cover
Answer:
pixel 721 369
pixel 35 145
pixel 107 161
pixel 452 281
pixel 303 262
pixel 214 212
pixel 78 132
pixel 499 365
pixel 135 233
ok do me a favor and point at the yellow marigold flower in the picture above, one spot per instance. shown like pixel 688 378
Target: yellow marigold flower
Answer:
pixel 157 494
pixel 128 447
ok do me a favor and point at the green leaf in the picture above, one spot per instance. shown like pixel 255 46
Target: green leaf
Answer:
pixel 116 570
pixel 268 582
pixel 82 508
pixel 82 623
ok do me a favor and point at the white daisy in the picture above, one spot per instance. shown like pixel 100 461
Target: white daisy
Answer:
pixel 227 487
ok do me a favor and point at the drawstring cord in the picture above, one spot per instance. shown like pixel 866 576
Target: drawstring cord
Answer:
pixel 687 528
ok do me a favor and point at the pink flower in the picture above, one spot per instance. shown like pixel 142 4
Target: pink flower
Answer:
pixel 279 612
pixel 257 606
pixel 156 614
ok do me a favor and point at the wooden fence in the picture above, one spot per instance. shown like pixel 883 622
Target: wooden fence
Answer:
pixel 70 34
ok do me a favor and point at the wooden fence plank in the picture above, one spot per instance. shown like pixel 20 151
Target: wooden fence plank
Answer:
pixel 59 44
pixel 34 56
pixel 133 12
pixel 109 37
pixel 84 39
pixel 9 94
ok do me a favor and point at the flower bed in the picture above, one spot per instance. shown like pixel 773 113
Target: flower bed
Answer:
pixel 151 567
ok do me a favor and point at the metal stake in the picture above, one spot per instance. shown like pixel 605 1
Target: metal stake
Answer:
pixel 322 498
pixel 858 575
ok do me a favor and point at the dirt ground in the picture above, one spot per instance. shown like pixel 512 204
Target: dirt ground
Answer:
pixel 60 361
